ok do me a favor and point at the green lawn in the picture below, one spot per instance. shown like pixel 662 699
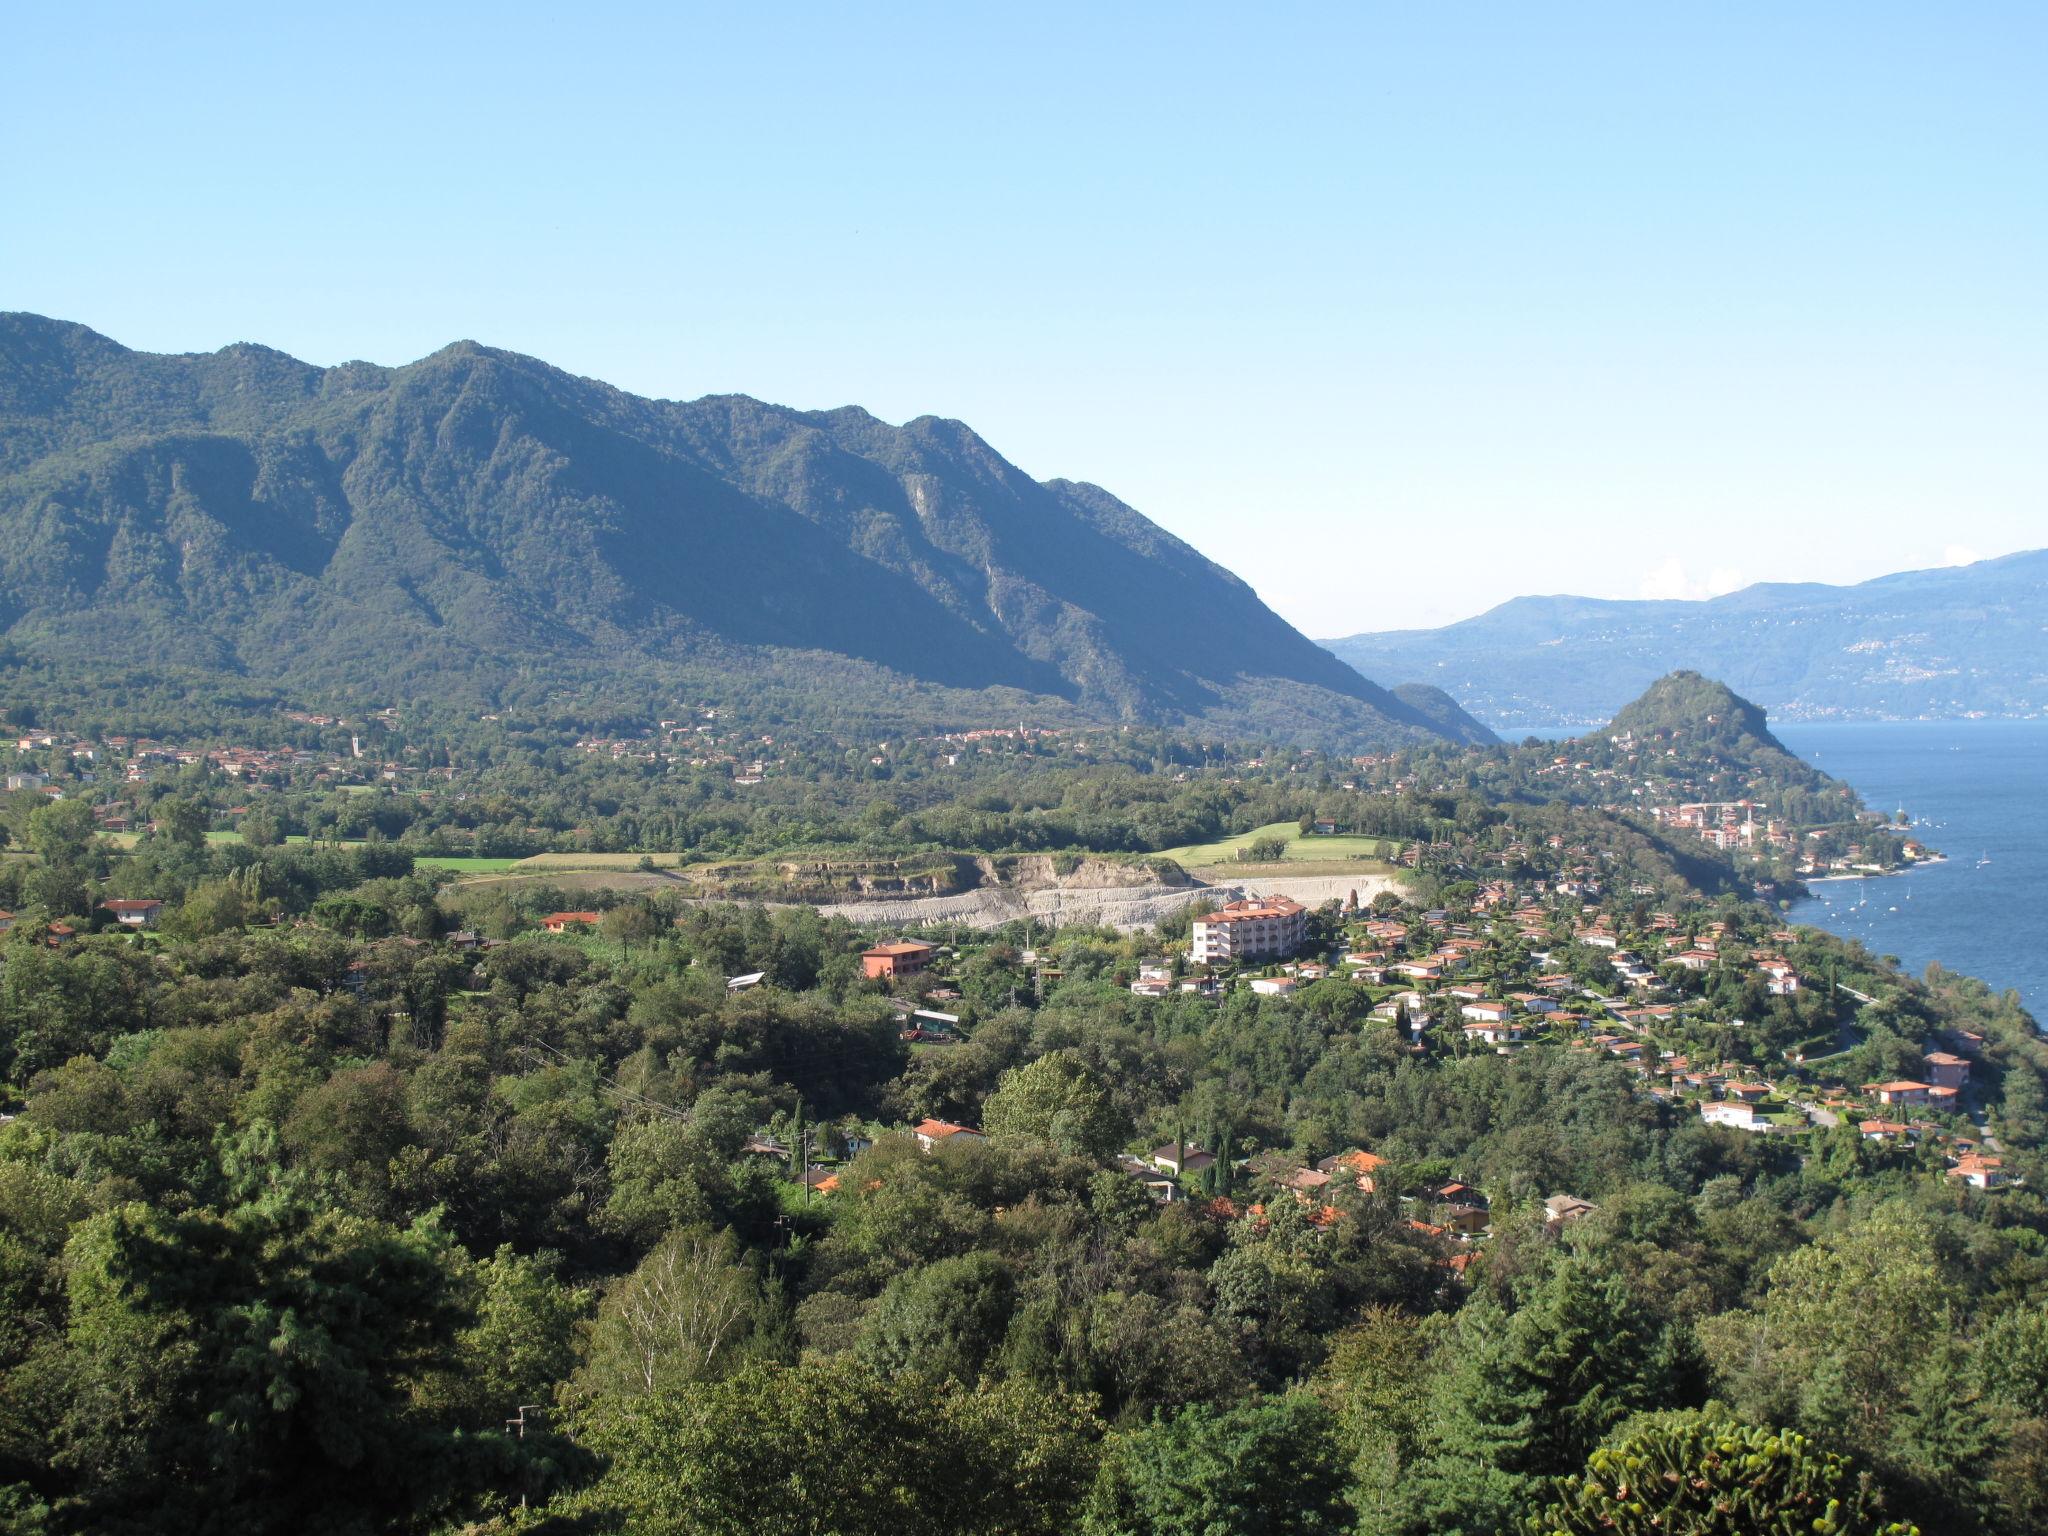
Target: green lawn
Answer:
pixel 1300 850
pixel 599 860
pixel 464 864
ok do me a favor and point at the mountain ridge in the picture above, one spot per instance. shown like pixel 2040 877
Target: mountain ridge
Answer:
pixel 478 517
pixel 1949 641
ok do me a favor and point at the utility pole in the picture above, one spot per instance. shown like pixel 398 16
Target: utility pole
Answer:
pixel 518 1426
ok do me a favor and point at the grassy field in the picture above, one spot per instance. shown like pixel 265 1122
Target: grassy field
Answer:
pixel 1302 869
pixel 1300 850
pixel 126 841
pixel 464 864
pixel 599 860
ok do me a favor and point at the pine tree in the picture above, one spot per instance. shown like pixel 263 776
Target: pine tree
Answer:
pixel 1533 1392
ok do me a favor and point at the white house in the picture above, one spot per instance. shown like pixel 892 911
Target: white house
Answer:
pixel 1734 1114
pixel 933 1133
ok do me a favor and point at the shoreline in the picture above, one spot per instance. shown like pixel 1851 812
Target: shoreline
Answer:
pixel 1776 720
pixel 1874 874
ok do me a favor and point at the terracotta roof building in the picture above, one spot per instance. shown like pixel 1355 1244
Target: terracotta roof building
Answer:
pixel 904 957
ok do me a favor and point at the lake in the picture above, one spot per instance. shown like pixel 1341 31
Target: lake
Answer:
pixel 1978 791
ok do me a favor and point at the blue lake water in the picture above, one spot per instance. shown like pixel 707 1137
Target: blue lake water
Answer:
pixel 1977 790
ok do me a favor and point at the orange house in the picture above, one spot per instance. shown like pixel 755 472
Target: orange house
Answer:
pixel 906 957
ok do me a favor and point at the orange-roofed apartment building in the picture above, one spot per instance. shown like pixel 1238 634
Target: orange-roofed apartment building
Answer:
pixel 906 957
pixel 1945 1070
pixel 1261 928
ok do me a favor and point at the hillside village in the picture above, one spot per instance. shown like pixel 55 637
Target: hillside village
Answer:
pixel 1521 970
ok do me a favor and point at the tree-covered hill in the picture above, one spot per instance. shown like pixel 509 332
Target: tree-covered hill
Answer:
pixel 1688 737
pixel 1444 710
pixel 478 523
pixel 1709 715
pixel 1958 641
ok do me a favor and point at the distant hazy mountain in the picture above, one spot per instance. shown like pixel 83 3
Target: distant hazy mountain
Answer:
pixel 479 523
pixel 1963 640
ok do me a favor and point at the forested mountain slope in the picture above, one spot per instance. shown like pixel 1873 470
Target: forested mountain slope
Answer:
pixel 478 523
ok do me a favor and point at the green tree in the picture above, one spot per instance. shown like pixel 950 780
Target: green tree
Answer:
pixel 633 923
pixel 833 1446
pixel 943 1320
pixel 260 829
pixel 683 1315
pixel 60 833
pixel 354 1124
pixel 1269 1467
pixel 216 906
pixel 520 1346
pixel 1531 1393
pixel 253 1367
pixel 1057 1101
pixel 1842 1323
pixel 183 821
pixel 1376 1381
pixel 1278 1292
pixel 668 1175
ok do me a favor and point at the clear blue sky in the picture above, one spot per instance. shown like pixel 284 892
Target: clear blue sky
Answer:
pixel 1398 310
